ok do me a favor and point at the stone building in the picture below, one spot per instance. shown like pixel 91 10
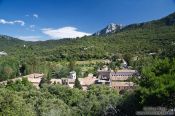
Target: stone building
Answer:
pixel 118 80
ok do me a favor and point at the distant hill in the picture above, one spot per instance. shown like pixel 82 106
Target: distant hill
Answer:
pixel 7 41
pixel 165 21
pixel 156 36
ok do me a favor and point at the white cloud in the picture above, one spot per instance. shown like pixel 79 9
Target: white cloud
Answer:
pixel 36 15
pixel 32 26
pixel 29 38
pixel 22 23
pixel 65 32
pixel 3 21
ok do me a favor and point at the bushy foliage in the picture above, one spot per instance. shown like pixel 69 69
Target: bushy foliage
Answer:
pixel 157 83
pixel 93 102
pixel 12 104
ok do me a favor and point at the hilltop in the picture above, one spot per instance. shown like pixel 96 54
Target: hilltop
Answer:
pixel 109 29
pixel 136 39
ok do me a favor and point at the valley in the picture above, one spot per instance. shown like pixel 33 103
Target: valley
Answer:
pixel 114 72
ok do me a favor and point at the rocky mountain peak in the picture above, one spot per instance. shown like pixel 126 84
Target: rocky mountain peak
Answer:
pixel 111 28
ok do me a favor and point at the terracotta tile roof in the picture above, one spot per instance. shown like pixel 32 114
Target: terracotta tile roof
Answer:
pixel 35 78
pixel 35 75
pixel 87 81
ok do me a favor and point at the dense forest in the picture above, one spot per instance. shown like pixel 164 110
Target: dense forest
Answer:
pixel 151 43
pixel 137 40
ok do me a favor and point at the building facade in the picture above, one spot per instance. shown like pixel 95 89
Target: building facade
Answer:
pixel 118 80
pixel 72 75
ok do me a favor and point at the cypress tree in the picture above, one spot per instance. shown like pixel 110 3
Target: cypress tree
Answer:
pixel 77 84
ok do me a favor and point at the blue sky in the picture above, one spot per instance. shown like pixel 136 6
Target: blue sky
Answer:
pixel 54 19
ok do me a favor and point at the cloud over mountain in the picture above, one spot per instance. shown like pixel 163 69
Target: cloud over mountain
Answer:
pixel 64 32
pixel 29 38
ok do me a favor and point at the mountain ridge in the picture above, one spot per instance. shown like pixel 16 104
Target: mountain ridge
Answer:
pixel 109 29
pixel 143 38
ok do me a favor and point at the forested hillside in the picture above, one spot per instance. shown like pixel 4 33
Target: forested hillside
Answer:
pixel 152 43
pixel 137 39
pixel 9 42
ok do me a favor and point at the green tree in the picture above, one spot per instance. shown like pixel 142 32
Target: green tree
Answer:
pixel 157 83
pixel 14 105
pixel 77 84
